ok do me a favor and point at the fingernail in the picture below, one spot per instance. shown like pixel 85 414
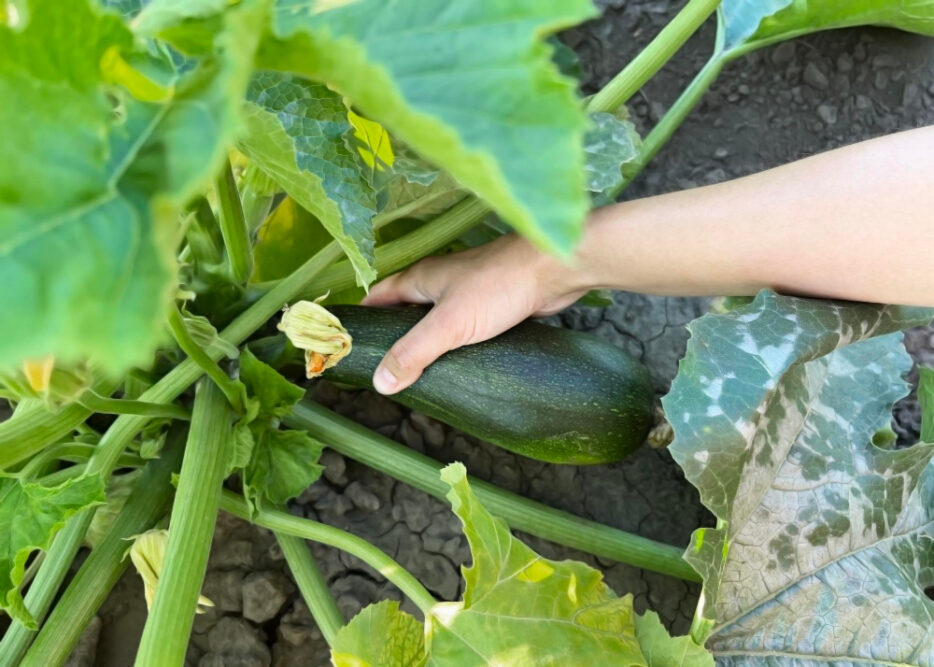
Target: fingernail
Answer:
pixel 384 381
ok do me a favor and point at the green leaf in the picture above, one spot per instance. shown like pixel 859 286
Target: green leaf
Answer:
pixel 662 650
pixel 824 542
pixel 30 515
pixel 926 399
pixel 275 394
pixel 520 608
pixel 380 636
pixel 468 85
pixel 284 464
pixel 92 178
pixel 753 23
pixel 286 240
pixel 296 134
pixel 609 145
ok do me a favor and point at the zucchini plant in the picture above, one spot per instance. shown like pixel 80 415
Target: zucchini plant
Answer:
pixel 173 174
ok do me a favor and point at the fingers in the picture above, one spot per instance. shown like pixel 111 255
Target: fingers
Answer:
pixel 404 287
pixel 434 335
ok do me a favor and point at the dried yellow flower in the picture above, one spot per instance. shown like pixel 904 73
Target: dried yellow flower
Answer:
pixel 313 329
pixel 147 554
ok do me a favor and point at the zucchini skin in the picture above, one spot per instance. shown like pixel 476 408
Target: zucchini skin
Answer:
pixel 548 393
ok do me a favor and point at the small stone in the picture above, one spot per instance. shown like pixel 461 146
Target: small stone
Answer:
pixel 431 430
pixel 721 153
pixel 310 495
pixel 881 80
pixel 233 660
pixel 264 594
pixel 844 63
pixel 361 497
pixel 885 60
pixel 223 588
pixel 236 636
pixel 815 78
pixel 863 102
pixel 912 94
pixel 743 89
pixel 411 436
pixel 85 651
pixel 233 554
pixel 783 53
pixel 335 467
pixel 333 502
pixel 827 113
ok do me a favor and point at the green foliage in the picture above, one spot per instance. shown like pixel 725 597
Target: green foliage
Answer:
pixel 774 410
pixel 286 240
pixel 609 145
pixel 926 399
pixel 30 515
pixel 88 218
pixel 380 636
pixel 296 133
pixel 467 85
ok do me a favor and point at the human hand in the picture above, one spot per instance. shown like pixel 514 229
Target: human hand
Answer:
pixel 477 294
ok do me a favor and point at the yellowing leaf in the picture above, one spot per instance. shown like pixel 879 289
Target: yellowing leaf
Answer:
pixel 375 147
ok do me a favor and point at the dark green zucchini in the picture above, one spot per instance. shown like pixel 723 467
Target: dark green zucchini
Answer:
pixel 547 393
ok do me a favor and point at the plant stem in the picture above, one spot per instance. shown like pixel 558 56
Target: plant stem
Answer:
pixel 376 451
pixel 106 563
pixel 398 254
pixel 67 451
pixel 191 528
pixel 33 426
pixel 257 194
pixel 651 59
pixel 673 118
pixel 233 226
pixel 118 406
pixel 311 583
pixel 126 427
pixel 198 355
pixel 205 242
pixel 318 532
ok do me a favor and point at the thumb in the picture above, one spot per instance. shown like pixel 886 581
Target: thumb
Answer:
pixel 435 334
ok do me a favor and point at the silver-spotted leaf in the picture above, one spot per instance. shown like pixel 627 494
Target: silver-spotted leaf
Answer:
pixel 825 542
pixel 96 160
pixel 380 636
pixel 30 515
pixel 468 85
pixel 297 134
pixel 610 144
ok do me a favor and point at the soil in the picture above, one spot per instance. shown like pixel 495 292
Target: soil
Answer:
pixel 769 108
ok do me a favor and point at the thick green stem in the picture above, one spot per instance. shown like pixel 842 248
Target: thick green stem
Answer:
pixel 126 427
pixel 119 406
pixel 398 254
pixel 106 563
pixel 34 427
pixel 209 365
pixel 376 451
pixel 191 528
pixel 311 583
pixel 233 226
pixel 203 234
pixel 281 522
pixel 651 59
pixel 674 117
pixel 69 451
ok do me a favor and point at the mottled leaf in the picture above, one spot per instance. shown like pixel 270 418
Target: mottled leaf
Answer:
pixel 824 545
pixel 92 177
pixel 297 134
pixel 380 636
pixel 662 650
pixel 284 464
pixel 468 85
pixel 741 18
pixel 609 145
pixel 30 515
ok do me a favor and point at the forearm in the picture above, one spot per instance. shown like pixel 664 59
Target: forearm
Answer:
pixel 854 223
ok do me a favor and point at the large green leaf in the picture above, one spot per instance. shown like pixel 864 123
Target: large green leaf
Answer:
pixel 380 636
pixel 30 515
pixel 825 543
pixel 284 464
pixel 609 146
pixel 751 23
pixel 296 133
pixel 90 188
pixel 468 85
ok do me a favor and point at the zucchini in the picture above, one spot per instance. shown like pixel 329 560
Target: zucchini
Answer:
pixel 550 394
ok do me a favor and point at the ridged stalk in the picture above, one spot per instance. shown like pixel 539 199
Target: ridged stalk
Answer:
pixel 191 528
pixel 105 565
pixel 376 451
pixel 282 522
pixel 233 226
pixel 312 585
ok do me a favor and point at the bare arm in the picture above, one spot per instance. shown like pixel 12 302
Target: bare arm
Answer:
pixel 854 223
